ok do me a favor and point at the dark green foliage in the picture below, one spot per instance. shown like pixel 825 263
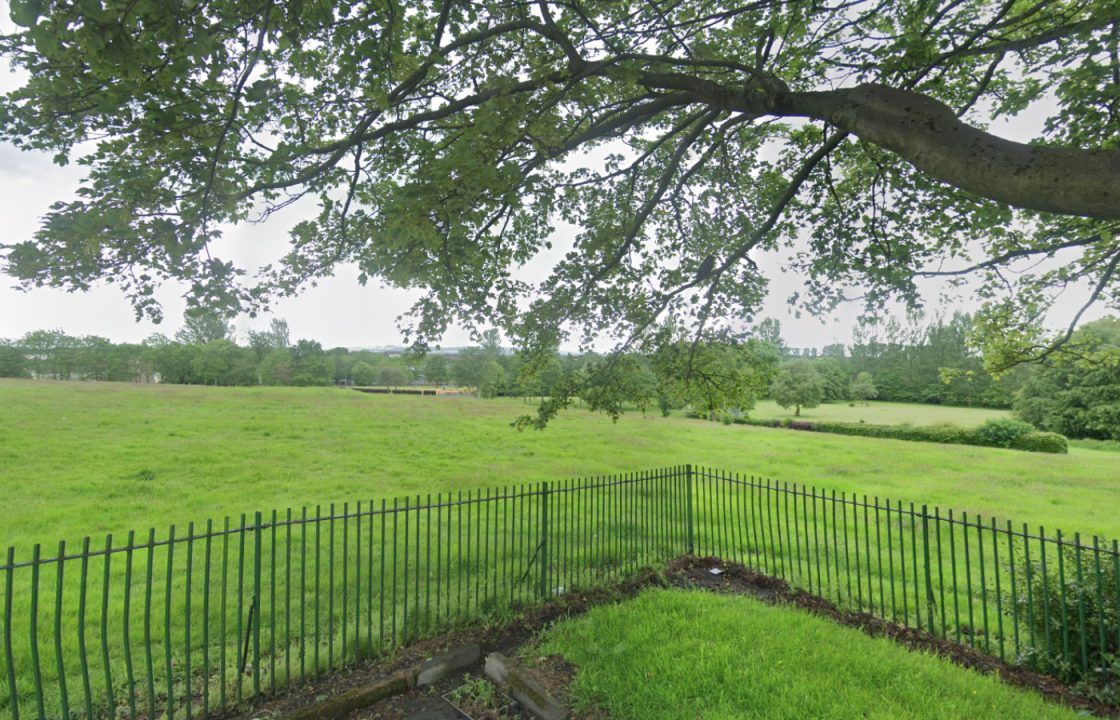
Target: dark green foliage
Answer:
pixel 392 376
pixel 928 363
pixel 436 371
pixel 310 365
pixel 201 326
pixel 1003 432
pixel 362 373
pixel 1047 442
pixel 714 376
pixel 1079 397
pixel 1065 612
pixel 945 433
pixel 12 362
pixel 863 388
pixel 834 379
pixel 797 385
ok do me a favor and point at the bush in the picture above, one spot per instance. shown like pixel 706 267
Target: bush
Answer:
pixel 1046 442
pixel 945 433
pixel 1004 433
pixel 1068 607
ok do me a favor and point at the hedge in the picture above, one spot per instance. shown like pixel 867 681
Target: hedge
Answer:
pixel 994 433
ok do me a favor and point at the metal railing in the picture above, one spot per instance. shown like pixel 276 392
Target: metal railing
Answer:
pixel 194 624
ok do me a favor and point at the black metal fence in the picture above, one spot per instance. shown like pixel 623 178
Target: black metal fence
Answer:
pixel 193 624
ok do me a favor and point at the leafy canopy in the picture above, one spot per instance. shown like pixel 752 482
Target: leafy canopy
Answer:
pixel 798 385
pixel 445 141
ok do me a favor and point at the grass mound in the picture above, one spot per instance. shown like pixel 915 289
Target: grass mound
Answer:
pixel 678 654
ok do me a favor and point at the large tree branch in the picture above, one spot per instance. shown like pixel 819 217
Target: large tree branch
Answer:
pixel 927 134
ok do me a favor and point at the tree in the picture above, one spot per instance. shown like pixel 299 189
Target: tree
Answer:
pixel 630 381
pixel 446 148
pixel 215 362
pixel 712 377
pixel 436 371
pixel 362 373
pixel 203 325
pixel 834 379
pixel 797 385
pixel 392 376
pixel 310 365
pixel 478 367
pixel 276 368
pixel 12 361
pixel 863 388
pixel 277 337
pixel 1079 396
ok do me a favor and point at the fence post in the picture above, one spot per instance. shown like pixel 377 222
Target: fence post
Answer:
pixel 688 510
pixel 929 579
pixel 257 605
pixel 544 541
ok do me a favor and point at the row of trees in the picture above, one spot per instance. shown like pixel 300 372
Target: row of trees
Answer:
pixel 708 377
pixel 913 361
pixel 1076 394
pixel 800 384
pixel 205 352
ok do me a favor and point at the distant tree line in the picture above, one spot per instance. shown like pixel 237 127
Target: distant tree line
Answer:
pixel 929 363
pixel 1076 394
pixel 203 352
pixel 709 377
pixel 919 362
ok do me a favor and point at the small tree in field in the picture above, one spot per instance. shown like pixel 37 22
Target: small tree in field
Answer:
pixel 798 385
pixel 863 388
pixel 362 373
pixel 392 376
pixel 436 371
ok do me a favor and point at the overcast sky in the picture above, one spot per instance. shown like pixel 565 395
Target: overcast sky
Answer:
pixel 338 312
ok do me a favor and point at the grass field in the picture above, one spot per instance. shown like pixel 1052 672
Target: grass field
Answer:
pixel 95 458
pixel 882 413
pixel 673 654
pixel 86 458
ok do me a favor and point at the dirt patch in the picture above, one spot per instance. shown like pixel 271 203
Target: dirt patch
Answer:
pixel 692 572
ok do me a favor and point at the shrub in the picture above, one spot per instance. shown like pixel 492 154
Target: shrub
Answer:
pixel 1004 432
pixel 1057 606
pixel 944 433
pixel 1046 442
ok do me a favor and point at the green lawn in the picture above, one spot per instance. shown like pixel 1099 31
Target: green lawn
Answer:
pixel 695 655
pixel 78 458
pixel 883 413
pixel 86 458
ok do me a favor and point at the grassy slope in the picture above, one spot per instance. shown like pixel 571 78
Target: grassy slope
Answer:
pixel 688 655
pixel 91 458
pixel 883 413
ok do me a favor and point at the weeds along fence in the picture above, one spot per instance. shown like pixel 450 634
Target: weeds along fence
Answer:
pixel 195 624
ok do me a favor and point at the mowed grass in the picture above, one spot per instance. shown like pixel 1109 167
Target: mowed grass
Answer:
pixel 883 413
pixel 696 655
pixel 92 458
